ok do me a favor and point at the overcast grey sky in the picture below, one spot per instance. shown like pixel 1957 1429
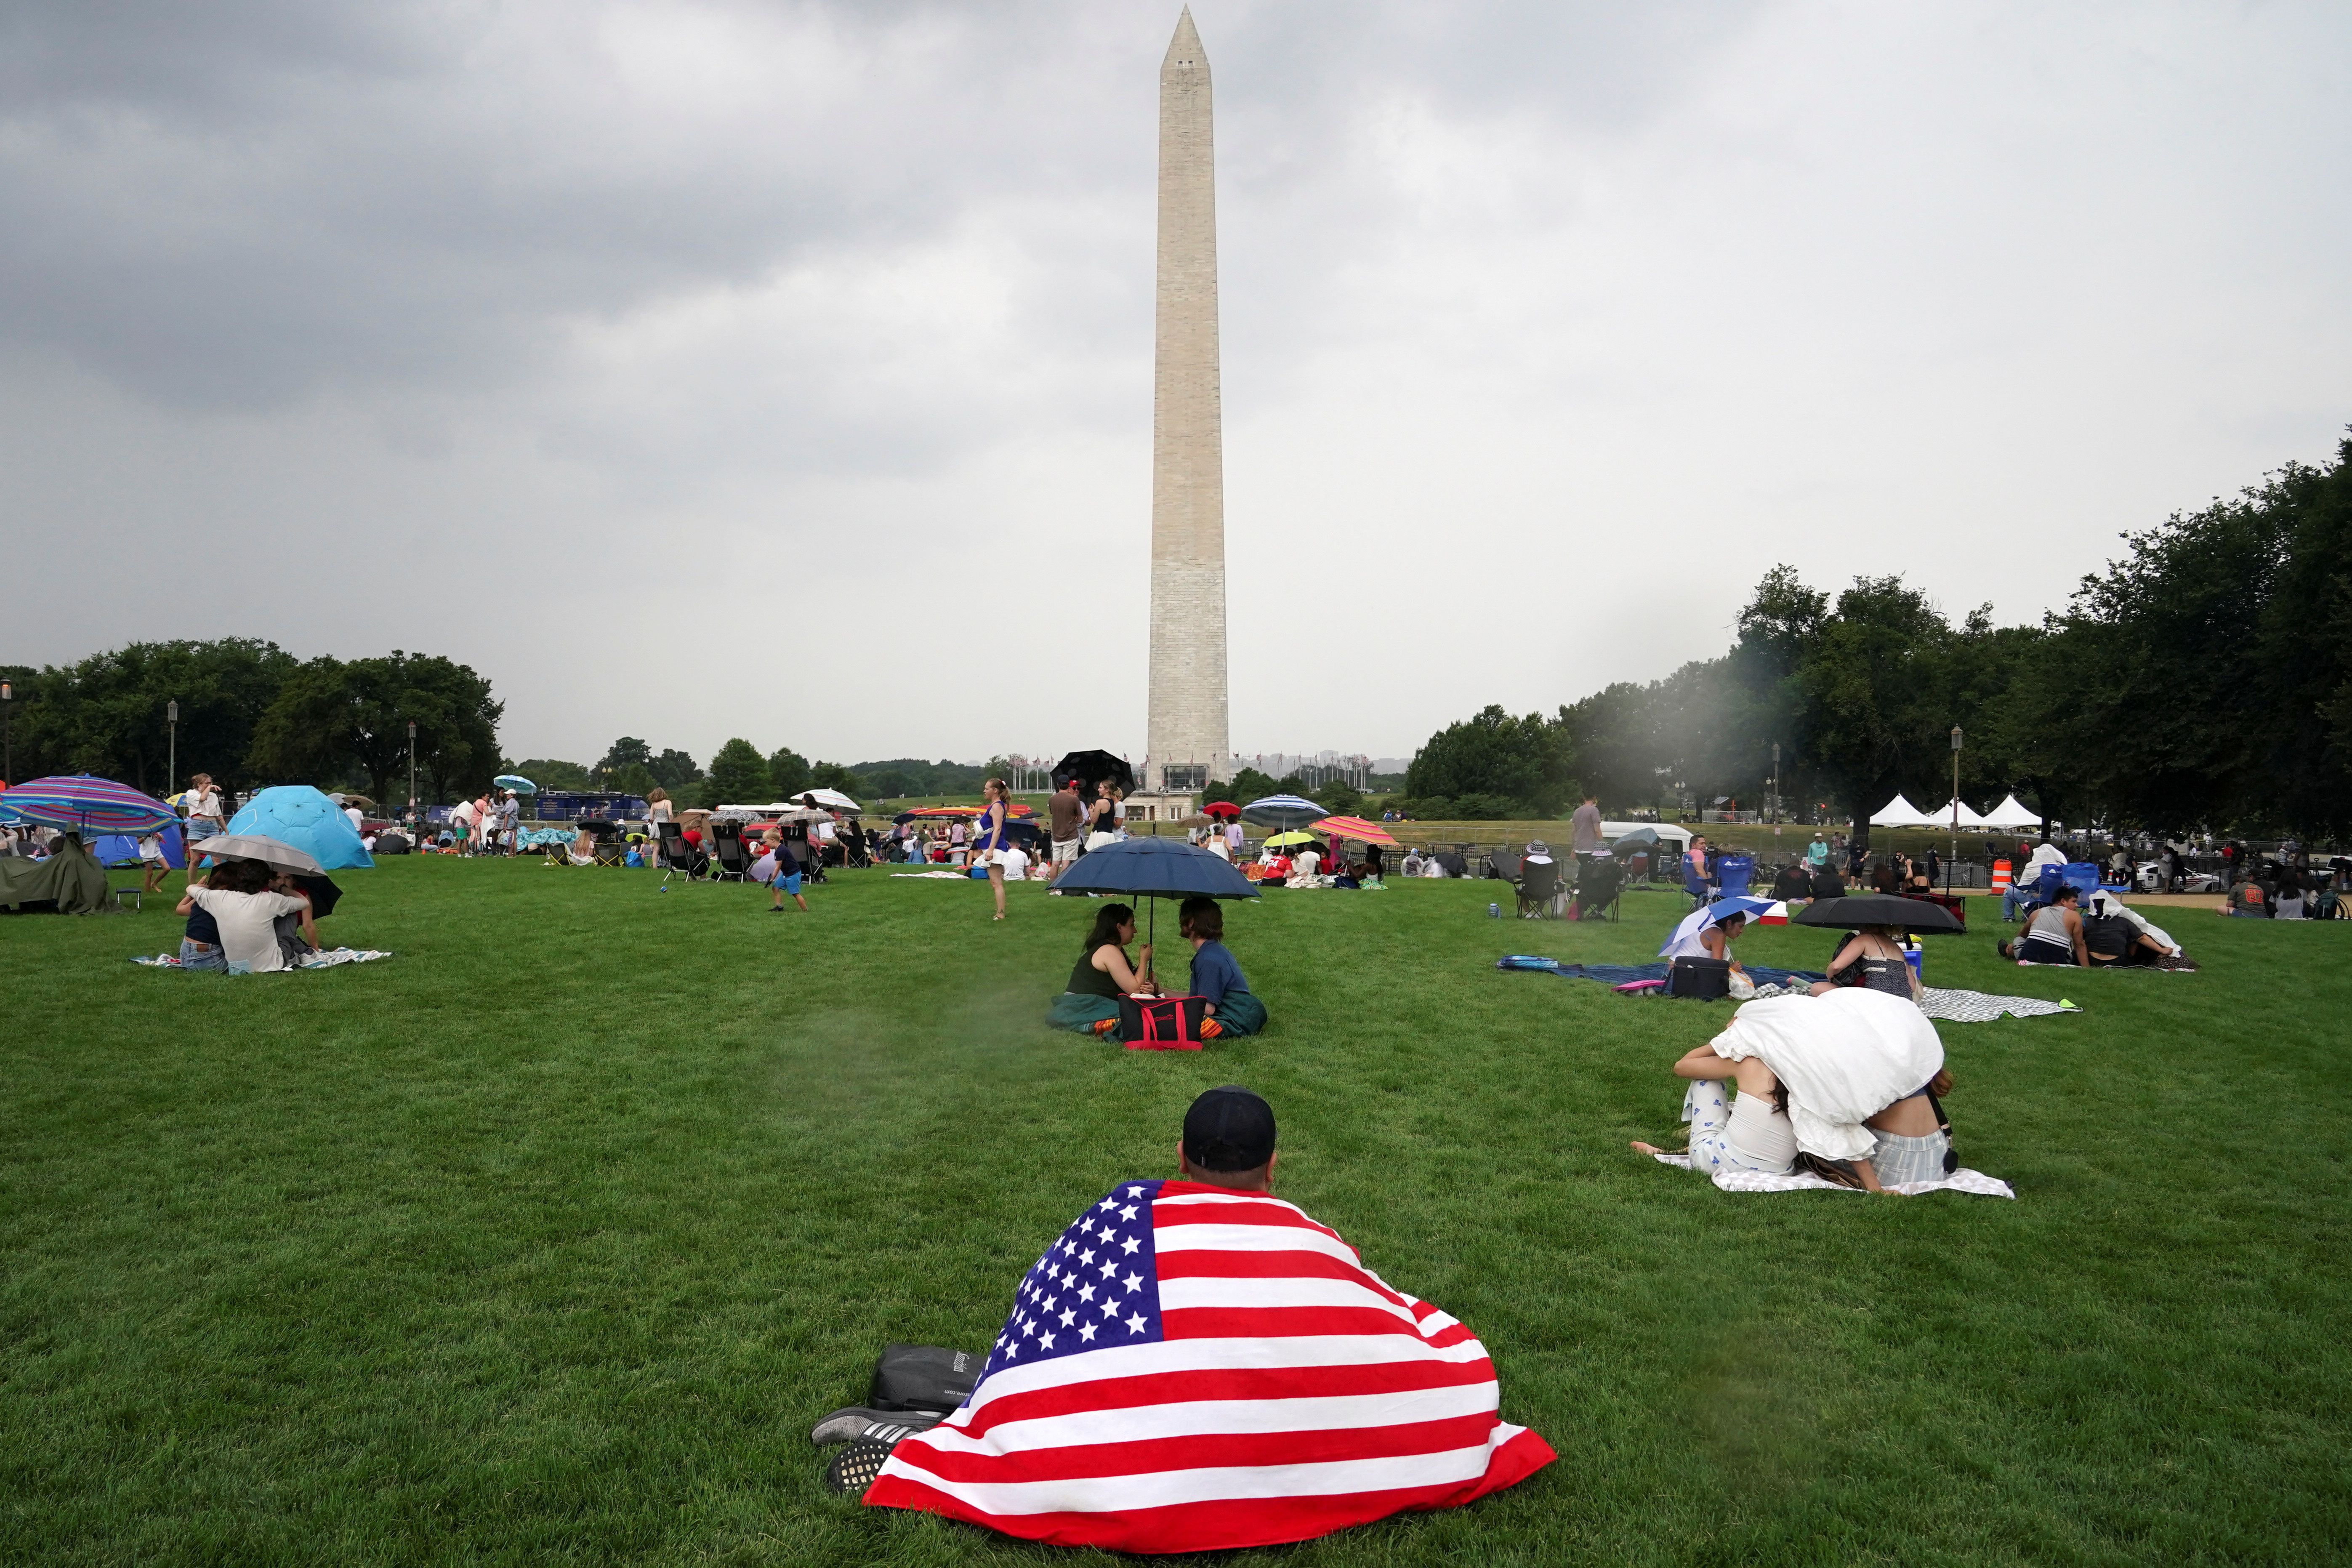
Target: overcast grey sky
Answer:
pixel 488 328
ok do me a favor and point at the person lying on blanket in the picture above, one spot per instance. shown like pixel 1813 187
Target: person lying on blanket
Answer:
pixel 1861 1071
pixel 1102 975
pixel 1196 1365
pixel 1232 1009
pixel 1751 1133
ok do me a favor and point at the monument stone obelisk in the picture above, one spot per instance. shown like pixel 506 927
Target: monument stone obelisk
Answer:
pixel 1186 742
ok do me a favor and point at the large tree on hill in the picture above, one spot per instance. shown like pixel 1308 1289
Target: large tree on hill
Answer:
pixel 1877 713
pixel 739 776
pixel 332 716
pixel 1501 761
pixel 108 713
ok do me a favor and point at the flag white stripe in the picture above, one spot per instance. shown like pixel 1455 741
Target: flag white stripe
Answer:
pixel 1251 1238
pixel 1225 1417
pixel 1257 1201
pixel 1291 1290
pixel 1158 1488
pixel 1221 1355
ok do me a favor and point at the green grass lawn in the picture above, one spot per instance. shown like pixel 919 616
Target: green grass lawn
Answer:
pixel 546 1239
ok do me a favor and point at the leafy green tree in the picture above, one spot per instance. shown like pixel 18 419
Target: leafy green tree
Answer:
pixel 628 751
pixel 1875 690
pixel 332 716
pixel 675 771
pixel 1526 763
pixel 834 775
pixel 107 714
pixel 548 772
pixel 789 773
pixel 739 775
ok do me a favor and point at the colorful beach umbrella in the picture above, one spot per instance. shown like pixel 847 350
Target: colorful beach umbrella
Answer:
pixel 84 804
pixel 1355 827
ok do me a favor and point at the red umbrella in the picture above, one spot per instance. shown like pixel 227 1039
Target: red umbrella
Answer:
pixel 1220 808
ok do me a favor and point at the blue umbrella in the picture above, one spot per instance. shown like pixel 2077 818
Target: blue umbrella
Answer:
pixel 1285 811
pixel 1155 868
pixel 301 816
pixel 516 783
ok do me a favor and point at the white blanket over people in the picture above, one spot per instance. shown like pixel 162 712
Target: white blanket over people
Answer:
pixel 1844 1057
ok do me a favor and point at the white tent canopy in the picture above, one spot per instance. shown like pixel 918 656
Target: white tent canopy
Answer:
pixel 2012 812
pixel 1900 813
pixel 1969 819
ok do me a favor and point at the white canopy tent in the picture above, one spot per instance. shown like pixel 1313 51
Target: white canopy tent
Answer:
pixel 1900 813
pixel 2012 812
pixel 1969 820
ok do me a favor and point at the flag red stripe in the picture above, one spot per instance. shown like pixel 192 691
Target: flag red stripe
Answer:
pixel 1281 1322
pixel 1269 1382
pixel 1224 1450
pixel 1256 1212
pixel 1271 1265
pixel 1226 1524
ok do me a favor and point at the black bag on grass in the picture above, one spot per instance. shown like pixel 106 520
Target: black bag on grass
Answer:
pixel 1699 979
pixel 923 1377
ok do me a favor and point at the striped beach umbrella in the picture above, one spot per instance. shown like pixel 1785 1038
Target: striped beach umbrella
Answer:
pixel 1355 827
pixel 84 804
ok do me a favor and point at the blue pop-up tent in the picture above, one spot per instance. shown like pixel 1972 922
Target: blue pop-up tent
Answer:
pixel 300 816
pixel 111 848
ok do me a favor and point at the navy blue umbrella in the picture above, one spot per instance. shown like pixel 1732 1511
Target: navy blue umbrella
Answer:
pixel 1155 868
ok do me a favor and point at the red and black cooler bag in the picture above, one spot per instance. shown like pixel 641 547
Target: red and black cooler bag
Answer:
pixel 1161 1023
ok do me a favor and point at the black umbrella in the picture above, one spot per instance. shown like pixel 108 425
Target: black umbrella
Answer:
pixel 1094 768
pixel 323 894
pixel 1879 909
pixel 1635 841
pixel 1155 868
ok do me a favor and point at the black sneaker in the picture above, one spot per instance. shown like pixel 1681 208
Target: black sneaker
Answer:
pixel 864 1420
pixel 853 1468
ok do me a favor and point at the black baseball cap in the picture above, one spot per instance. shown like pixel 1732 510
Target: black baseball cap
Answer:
pixel 1229 1129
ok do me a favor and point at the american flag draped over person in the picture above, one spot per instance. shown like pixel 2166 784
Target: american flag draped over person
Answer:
pixel 1194 1368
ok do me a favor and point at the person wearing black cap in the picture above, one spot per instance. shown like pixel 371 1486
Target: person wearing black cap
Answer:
pixel 1228 1141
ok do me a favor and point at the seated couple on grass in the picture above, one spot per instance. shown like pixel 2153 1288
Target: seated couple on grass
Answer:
pixel 1197 1365
pixel 1104 974
pixel 2115 937
pixel 1844 1084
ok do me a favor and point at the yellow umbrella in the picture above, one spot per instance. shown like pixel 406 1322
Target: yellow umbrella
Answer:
pixel 1295 835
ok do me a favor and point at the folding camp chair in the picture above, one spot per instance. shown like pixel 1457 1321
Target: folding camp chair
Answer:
pixel 1599 888
pixel 1694 883
pixel 727 840
pixel 1538 886
pixel 679 858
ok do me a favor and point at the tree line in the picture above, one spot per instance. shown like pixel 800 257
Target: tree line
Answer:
pixel 250 713
pixel 2203 680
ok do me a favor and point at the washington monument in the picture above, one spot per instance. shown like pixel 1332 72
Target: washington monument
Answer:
pixel 1186 741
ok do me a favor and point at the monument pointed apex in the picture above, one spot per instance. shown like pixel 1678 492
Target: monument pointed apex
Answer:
pixel 1185 48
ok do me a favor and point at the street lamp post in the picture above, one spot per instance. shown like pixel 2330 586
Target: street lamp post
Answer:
pixel 1775 782
pixel 412 775
pixel 172 768
pixel 1956 810
pixel 8 732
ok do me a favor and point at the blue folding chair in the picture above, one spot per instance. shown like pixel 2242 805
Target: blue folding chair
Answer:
pixel 1693 883
pixel 1732 873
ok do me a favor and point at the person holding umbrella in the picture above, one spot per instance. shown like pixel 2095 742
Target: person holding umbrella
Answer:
pixel 1873 959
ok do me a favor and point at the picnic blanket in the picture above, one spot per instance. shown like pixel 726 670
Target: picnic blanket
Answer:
pixel 1628 974
pixel 1960 1181
pixel 1983 1007
pixel 935 875
pixel 1951 1006
pixel 325 958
